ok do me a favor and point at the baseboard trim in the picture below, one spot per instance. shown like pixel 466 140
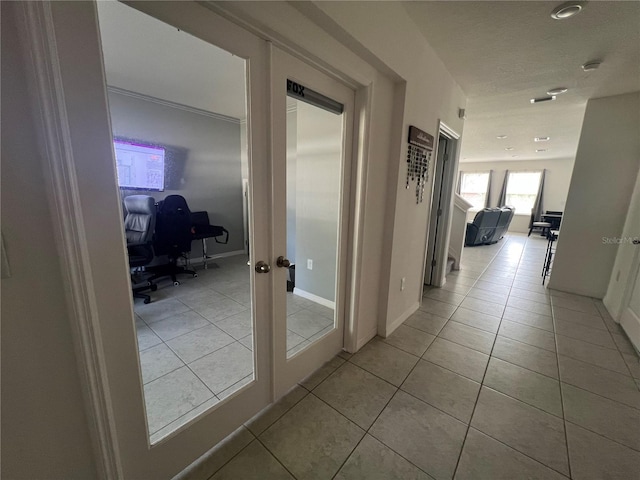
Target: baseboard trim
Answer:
pixel 314 298
pixel 217 255
pixel 365 339
pixel 400 320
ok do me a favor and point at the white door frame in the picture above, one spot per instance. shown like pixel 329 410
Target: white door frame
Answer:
pixel 86 214
pixel 628 319
pixel 440 244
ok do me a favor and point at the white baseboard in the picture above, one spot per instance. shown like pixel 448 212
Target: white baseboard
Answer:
pixel 400 320
pixel 362 341
pixel 218 255
pixel 314 298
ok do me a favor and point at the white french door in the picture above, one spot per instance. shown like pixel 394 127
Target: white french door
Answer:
pixel 71 88
pixel 312 123
pixel 298 209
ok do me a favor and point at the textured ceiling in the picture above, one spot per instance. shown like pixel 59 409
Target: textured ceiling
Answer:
pixel 504 53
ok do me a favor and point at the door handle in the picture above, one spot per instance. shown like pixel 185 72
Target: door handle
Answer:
pixel 262 267
pixel 283 262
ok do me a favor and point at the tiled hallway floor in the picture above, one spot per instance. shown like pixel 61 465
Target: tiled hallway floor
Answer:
pixel 196 345
pixel 495 377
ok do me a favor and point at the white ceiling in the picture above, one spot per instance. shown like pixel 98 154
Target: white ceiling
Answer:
pixel 144 55
pixel 505 53
pixel 502 53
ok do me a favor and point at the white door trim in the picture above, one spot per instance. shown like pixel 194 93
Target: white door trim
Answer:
pixel 48 104
pixel 441 247
pixel 628 319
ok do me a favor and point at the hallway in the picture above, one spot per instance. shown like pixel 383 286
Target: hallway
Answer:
pixel 494 377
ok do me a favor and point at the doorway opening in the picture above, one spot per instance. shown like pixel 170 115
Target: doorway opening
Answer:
pixel 436 258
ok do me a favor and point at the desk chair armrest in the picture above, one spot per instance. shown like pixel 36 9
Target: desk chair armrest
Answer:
pixel 226 236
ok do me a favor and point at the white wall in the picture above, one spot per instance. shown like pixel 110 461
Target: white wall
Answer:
pixel 45 431
pixel 387 32
pixel 203 162
pixel 604 176
pixel 316 179
pixel 556 184
pixel 621 272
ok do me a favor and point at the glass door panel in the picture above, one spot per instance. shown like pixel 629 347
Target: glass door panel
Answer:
pixel 314 167
pixel 181 145
pixel 312 118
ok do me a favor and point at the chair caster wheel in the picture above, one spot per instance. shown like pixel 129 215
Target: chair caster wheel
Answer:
pixel 195 275
pixel 149 283
pixel 146 301
pixel 154 287
pixel 176 283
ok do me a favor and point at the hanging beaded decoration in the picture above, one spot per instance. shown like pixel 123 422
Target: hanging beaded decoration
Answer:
pixel 418 159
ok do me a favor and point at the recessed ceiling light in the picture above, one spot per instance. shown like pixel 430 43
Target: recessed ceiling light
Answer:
pixel 541 139
pixel 501 137
pixel 538 150
pixel 557 91
pixel 509 149
pixel 566 10
pixel 591 66
pixel 543 99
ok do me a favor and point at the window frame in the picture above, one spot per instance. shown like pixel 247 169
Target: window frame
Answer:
pixel 486 190
pixel 522 211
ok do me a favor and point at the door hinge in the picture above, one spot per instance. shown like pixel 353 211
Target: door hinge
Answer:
pixel 445 157
pixel 433 263
pixel 439 212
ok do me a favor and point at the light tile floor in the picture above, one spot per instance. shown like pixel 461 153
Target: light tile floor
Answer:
pixel 195 340
pixel 495 377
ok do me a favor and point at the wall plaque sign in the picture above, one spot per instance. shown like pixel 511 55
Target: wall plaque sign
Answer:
pixel 418 159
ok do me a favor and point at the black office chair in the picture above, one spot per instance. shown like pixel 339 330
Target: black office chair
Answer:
pixel 202 230
pixel 173 237
pixel 139 225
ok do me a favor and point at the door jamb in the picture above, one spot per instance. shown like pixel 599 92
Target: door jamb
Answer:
pixel 626 298
pixel 38 38
pixel 441 243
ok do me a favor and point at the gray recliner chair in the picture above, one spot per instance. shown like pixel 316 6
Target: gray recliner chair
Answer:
pixel 506 214
pixel 483 227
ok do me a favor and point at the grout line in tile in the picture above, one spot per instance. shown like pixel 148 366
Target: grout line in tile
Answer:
pixel 530 344
pixel 486 368
pixel 181 416
pixel 521 453
pixel 599 395
pixel 234 456
pixel 603 436
pixel 367 432
pixel 564 417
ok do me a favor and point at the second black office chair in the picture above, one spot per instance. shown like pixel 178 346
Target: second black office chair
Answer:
pixel 173 236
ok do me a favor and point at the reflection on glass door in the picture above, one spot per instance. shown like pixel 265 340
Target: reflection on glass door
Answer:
pixel 313 203
pixel 179 121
